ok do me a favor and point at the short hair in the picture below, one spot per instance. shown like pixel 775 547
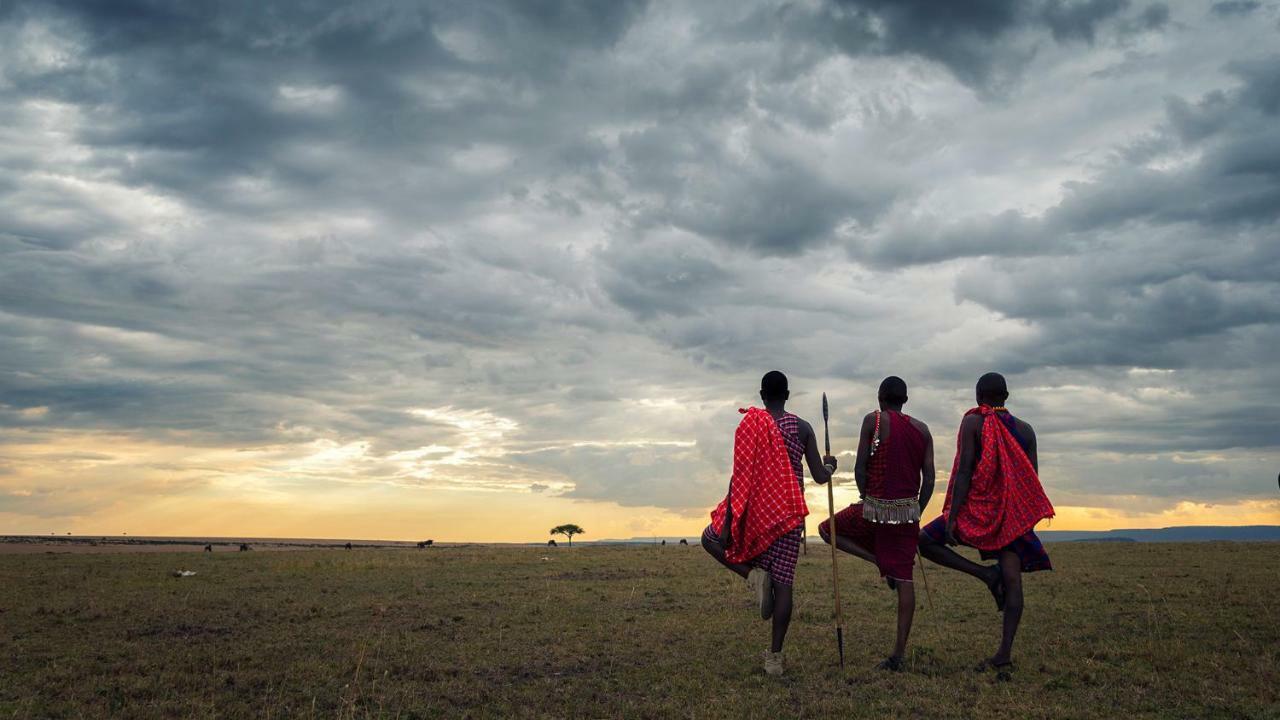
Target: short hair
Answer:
pixel 893 389
pixel 992 385
pixel 773 386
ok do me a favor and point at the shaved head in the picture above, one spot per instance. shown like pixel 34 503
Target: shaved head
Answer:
pixel 992 389
pixel 773 386
pixel 893 390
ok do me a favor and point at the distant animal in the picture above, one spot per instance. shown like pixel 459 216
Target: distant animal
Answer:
pixel 683 541
pixel 348 546
pixel 208 548
pixel 551 543
pixel 244 548
pixel 664 542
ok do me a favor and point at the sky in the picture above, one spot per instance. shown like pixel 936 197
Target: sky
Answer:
pixel 468 270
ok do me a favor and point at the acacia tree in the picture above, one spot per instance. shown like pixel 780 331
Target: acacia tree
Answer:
pixel 568 531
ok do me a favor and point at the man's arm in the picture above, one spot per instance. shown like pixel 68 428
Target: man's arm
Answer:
pixel 1030 437
pixel 970 433
pixel 812 457
pixel 928 474
pixel 864 453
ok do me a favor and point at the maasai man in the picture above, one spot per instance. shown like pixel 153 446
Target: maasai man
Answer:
pixel 895 474
pixel 994 501
pixel 756 530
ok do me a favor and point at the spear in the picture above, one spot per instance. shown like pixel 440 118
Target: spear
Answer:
pixel 831 526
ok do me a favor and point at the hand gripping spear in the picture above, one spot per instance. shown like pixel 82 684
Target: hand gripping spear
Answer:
pixel 831 527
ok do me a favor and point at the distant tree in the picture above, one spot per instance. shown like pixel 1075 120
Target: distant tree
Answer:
pixel 568 531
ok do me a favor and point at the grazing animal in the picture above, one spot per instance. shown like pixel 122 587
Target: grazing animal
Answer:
pixel 348 546
pixel 208 548
pixel 551 543
pixel 664 542
pixel 244 547
pixel 683 541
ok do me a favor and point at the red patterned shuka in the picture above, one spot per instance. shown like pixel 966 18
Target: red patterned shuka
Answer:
pixel 1005 496
pixel 767 500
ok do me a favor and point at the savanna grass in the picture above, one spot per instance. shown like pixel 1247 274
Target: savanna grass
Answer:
pixel 1119 630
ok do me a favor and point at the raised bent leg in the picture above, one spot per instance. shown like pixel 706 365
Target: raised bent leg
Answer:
pixel 1011 570
pixel 844 543
pixel 946 557
pixel 714 549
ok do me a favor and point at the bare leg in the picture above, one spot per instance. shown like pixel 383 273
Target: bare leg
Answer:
pixel 990 575
pixel 714 549
pixel 946 557
pixel 781 615
pixel 906 612
pixel 845 543
pixel 1011 569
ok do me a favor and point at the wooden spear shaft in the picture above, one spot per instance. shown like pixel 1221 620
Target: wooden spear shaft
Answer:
pixel 831 528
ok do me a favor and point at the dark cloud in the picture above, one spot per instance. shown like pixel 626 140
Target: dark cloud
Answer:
pixel 504 245
pixel 977 41
pixel 1229 8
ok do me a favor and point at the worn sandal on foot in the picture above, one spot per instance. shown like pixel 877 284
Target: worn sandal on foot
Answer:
pixel 1004 670
pixel 892 664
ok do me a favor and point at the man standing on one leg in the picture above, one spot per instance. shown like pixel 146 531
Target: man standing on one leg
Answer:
pixel 895 474
pixel 994 501
pixel 756 531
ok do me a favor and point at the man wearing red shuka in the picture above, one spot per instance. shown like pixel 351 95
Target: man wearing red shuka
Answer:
pixel 994 501
pixel 894 471
pixel 756 530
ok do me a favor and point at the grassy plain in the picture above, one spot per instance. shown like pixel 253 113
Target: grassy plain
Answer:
pixel 1119 630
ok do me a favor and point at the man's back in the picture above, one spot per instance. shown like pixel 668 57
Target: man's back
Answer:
pixel 1020 429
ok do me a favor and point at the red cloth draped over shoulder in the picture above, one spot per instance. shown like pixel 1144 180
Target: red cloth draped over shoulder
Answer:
pixel 767 501
pixel 1005 496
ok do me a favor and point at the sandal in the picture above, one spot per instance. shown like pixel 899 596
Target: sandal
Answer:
pixel 1004 670
pixel 892 664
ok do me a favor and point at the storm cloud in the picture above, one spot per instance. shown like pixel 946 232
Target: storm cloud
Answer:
pixel 549 248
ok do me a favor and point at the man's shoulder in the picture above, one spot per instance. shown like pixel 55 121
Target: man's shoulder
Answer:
pixel 971 424
pixel 1024 426
pixel 918 424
